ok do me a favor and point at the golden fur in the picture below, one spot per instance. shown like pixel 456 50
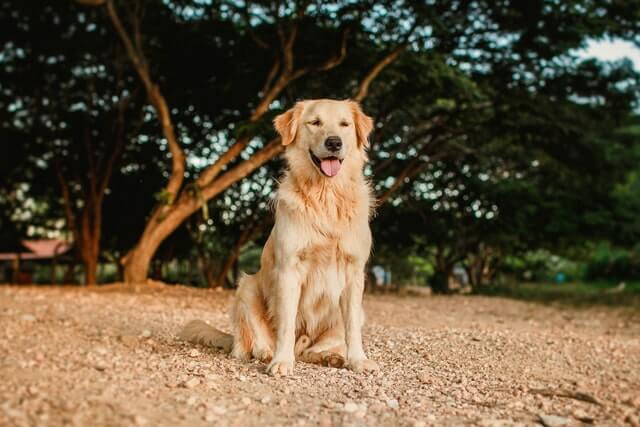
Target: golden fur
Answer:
pixel 305 302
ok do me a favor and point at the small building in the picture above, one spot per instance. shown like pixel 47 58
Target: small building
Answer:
pixel 18 259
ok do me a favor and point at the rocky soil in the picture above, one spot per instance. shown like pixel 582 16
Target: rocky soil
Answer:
pixel 109 356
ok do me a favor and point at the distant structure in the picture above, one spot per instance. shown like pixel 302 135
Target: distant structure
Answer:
pixel 15 265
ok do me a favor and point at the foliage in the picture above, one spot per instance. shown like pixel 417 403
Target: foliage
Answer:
pixel 581 294
pixel 495 146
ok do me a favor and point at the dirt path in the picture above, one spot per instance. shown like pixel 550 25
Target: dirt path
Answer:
pixel 109 357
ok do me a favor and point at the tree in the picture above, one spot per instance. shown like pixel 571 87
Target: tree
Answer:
pixel 178 202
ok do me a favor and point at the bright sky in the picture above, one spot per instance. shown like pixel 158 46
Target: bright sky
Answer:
pixel 613 50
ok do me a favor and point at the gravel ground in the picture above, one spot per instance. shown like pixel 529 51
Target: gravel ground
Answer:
pixel 109 356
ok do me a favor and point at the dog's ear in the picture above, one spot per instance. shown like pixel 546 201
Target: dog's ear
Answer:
pixel 363 124
pixel 287 123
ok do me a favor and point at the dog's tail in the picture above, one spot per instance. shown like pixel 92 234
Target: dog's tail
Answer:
pixel 199 332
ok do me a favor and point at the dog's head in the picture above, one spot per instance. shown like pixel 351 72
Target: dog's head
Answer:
pixel 326 133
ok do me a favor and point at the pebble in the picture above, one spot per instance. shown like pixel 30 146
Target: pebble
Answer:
pixel 581 415
pixel 191 383
pixel 100 366
pixel 496 423
pixel 632 420
pixel 218 410
pixel 194 353
pixel 146 333
pixel 28 317
pixel 129 340
pixel 265 400
pixel 554 420
pixel 393 403
pixel 350 407
pixel 140 420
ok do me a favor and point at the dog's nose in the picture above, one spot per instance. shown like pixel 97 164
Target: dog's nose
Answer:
pixel 333 143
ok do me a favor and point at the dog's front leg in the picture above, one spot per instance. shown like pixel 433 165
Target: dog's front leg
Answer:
pixel 353 316
pixel 287 298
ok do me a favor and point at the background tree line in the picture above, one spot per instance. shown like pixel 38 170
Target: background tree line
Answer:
pixel 142 129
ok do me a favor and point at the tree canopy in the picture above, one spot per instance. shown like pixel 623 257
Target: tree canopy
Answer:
pixel 142 129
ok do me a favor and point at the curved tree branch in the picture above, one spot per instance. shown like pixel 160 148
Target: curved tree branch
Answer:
pixel 363 88
pixel 157 100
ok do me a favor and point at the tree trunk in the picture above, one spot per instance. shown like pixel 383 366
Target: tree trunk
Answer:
pixel 69 274
pixel 54 265
pixel 235 273
pixel 440 280
pixel 228 265
pixel 208 272
pixel 91 271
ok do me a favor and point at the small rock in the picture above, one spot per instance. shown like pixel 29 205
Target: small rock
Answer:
pixel 581 415
pixel 218 410
pixel 146 333
pixel 362 411
pixel 424 378
pixel 191 401
pixel 632 420
pixel 28 318
pixel 191 383
pixel 635 402
pixel 194 353
pixel 140 420
pixel 101 350
pixel 393 403
pixel 350 407
pixel 496 423
pixel 100 366
pixel 245 401
pixel 554 420
pixel 265 400
pixel 129 340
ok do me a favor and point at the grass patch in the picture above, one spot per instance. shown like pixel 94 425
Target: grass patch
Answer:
pixel 576 294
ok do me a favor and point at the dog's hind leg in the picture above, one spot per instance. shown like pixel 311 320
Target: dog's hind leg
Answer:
pixel 253 336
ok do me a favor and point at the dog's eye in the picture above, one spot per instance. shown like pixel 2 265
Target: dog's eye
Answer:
pixel 316 122
pixel 344 124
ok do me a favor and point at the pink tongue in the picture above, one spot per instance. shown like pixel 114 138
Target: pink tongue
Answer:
pixel 330 166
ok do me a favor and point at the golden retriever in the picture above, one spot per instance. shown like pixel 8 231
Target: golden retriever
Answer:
pixel 305 302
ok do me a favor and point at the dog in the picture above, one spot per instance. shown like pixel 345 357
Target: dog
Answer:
pixel 305 302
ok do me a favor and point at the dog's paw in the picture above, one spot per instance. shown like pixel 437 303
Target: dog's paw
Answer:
pixel 362 365
pixel 332 360
pixel 264 355
pixel 280 367
pixel 241 355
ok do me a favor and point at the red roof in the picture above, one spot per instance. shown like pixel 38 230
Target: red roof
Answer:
pixel 38 249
